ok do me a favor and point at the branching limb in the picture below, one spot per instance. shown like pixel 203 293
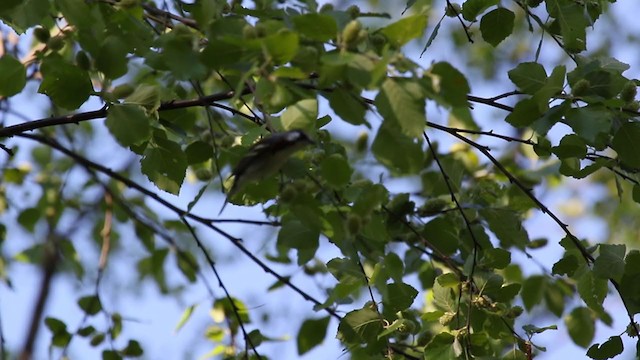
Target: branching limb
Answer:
pixel 14 130
pixel 467 222
pixel 589 259
pixel 181 213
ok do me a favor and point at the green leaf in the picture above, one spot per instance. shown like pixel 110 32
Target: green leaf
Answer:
pixel 434 34
pixel 86 331
pixel 282 46
pixel 7 5
pixel 440 347
pixel 507 292
pixel 580 325
pixel 345 270
pixel 571 146
pixel 497 25
pixel 610 263
pixel 145 95
pixel 111 58
pixel 296 235
pixel 111 355
pixel 55 325
pixel 448 280
pixel 629 286
pixel 533 290
pixel 608 350
pixel 409 4
pixel 529 77
pixel 132 349
pixel 566 266
pixel 507 226
pixel 29 217
pixel 626 142
pixel 553 87
pixel 116 327
pixel 301 115
pixel 179 56
pixel 592 289
pixel 592 123
pixel 399 296
pixel 495 258
pixel 13 76
pixel 636 193
pixel 28 14
pixel 60 336
pixel 276 95
pixel 223 53
pixel 87 18
pixel 368 196
pixel 165 164
pixel 187 264
pixel 405 29
pixel 128 123
pixel 452 86
pixel 555 297
pixel 572 21
pixel 472 8
pixel 442 235
pixel 67 85
pixel 525 113
pixel 348 106
pixel 359 326
pixel 398 152
pixel 69 253
pixel 403 101
pixel 394 266
pixel 198 152
pixel 90 304
pixel 335 170
pixel 318 27
pixel 602 75
pixel 444 295
pixel 311 334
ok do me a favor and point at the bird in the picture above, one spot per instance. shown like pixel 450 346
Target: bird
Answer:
pixel 265 158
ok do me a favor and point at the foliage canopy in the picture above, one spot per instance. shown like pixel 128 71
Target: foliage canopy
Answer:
pixel 418 244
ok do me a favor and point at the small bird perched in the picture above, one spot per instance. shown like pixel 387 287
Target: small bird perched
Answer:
pixel 265 158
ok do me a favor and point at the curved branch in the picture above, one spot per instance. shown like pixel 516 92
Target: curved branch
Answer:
pixel 208 100
pixel 181 213
pixel 227 294
pixel 490 102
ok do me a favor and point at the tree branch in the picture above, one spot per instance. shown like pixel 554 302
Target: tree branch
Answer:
pixel 14 130
pixel 49 263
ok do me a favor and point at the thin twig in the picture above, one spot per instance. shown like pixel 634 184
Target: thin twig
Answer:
pixel 155 11
pixel 212 265
pixel 544 28
pixel 467 222
pixel 464 26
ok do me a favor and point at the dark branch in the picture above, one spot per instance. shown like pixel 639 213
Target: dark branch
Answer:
pixel 14 130
pixel 49 264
